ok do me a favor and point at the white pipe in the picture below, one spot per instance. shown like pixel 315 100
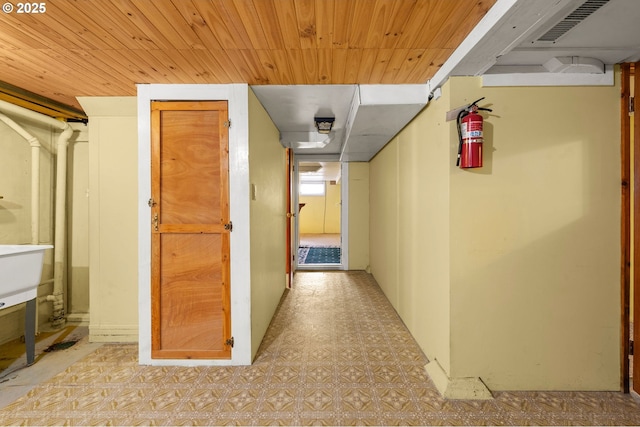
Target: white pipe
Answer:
pixel 28 114
pixel 59 288
pixel 60 214
pixel 35 176
pixel 19 129
pixel 35 194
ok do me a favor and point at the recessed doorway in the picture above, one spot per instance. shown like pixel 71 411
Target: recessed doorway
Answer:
pixel 319 219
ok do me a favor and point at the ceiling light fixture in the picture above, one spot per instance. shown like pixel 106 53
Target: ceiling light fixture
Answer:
pixel 324 124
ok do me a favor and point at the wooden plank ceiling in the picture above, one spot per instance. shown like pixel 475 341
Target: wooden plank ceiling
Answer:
pixel 103 48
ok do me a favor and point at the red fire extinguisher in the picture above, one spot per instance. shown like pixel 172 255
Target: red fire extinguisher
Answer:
pixel 470 135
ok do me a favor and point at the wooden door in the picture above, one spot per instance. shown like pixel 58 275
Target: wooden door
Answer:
pixel 190 283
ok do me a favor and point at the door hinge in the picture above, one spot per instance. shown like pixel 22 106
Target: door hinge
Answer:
pixel 632 105
pixel 229 226
pixel 230 342
pixel 227 123
pixel 631 348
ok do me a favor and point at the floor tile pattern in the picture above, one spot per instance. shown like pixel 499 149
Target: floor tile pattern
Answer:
pixel 336 353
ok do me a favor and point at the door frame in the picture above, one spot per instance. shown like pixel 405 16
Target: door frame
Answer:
pixel 344 209
pixel 290 214
pixel 237 96
pixel 625 228
pixel 630 221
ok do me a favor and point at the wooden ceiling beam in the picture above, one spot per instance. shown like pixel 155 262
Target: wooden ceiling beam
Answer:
pixel 39 103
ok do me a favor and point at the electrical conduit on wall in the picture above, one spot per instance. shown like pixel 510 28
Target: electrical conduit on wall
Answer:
pixel 57 298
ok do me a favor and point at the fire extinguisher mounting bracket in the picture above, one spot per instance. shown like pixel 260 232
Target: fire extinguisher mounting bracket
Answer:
pixel 453 114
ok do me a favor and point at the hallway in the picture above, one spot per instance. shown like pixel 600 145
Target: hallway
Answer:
pixel 336 353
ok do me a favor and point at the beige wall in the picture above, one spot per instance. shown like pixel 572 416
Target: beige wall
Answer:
pixel 15 183
pixel 15 210
pixel 537 259
pixel 383 221
pixel 519 258
pixel 409 228
pixel 15 214
pixel 358 215
pixel 78 228
pixel 321 214
pixel 113 226
pixel 267 171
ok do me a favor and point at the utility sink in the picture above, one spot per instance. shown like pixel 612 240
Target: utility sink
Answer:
pixel 20 271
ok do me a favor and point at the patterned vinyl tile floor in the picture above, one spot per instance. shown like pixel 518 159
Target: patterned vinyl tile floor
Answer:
pixel 336 353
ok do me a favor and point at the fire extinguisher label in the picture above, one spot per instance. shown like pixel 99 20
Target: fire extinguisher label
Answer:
pixel 471 130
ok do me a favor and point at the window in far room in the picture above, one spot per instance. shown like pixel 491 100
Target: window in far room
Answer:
pixel 312 188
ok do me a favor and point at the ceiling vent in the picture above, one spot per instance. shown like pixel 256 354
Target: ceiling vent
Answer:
pixel 573 19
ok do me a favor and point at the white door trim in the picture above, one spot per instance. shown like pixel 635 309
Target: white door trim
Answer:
pixel 238 97
pixel 344 208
